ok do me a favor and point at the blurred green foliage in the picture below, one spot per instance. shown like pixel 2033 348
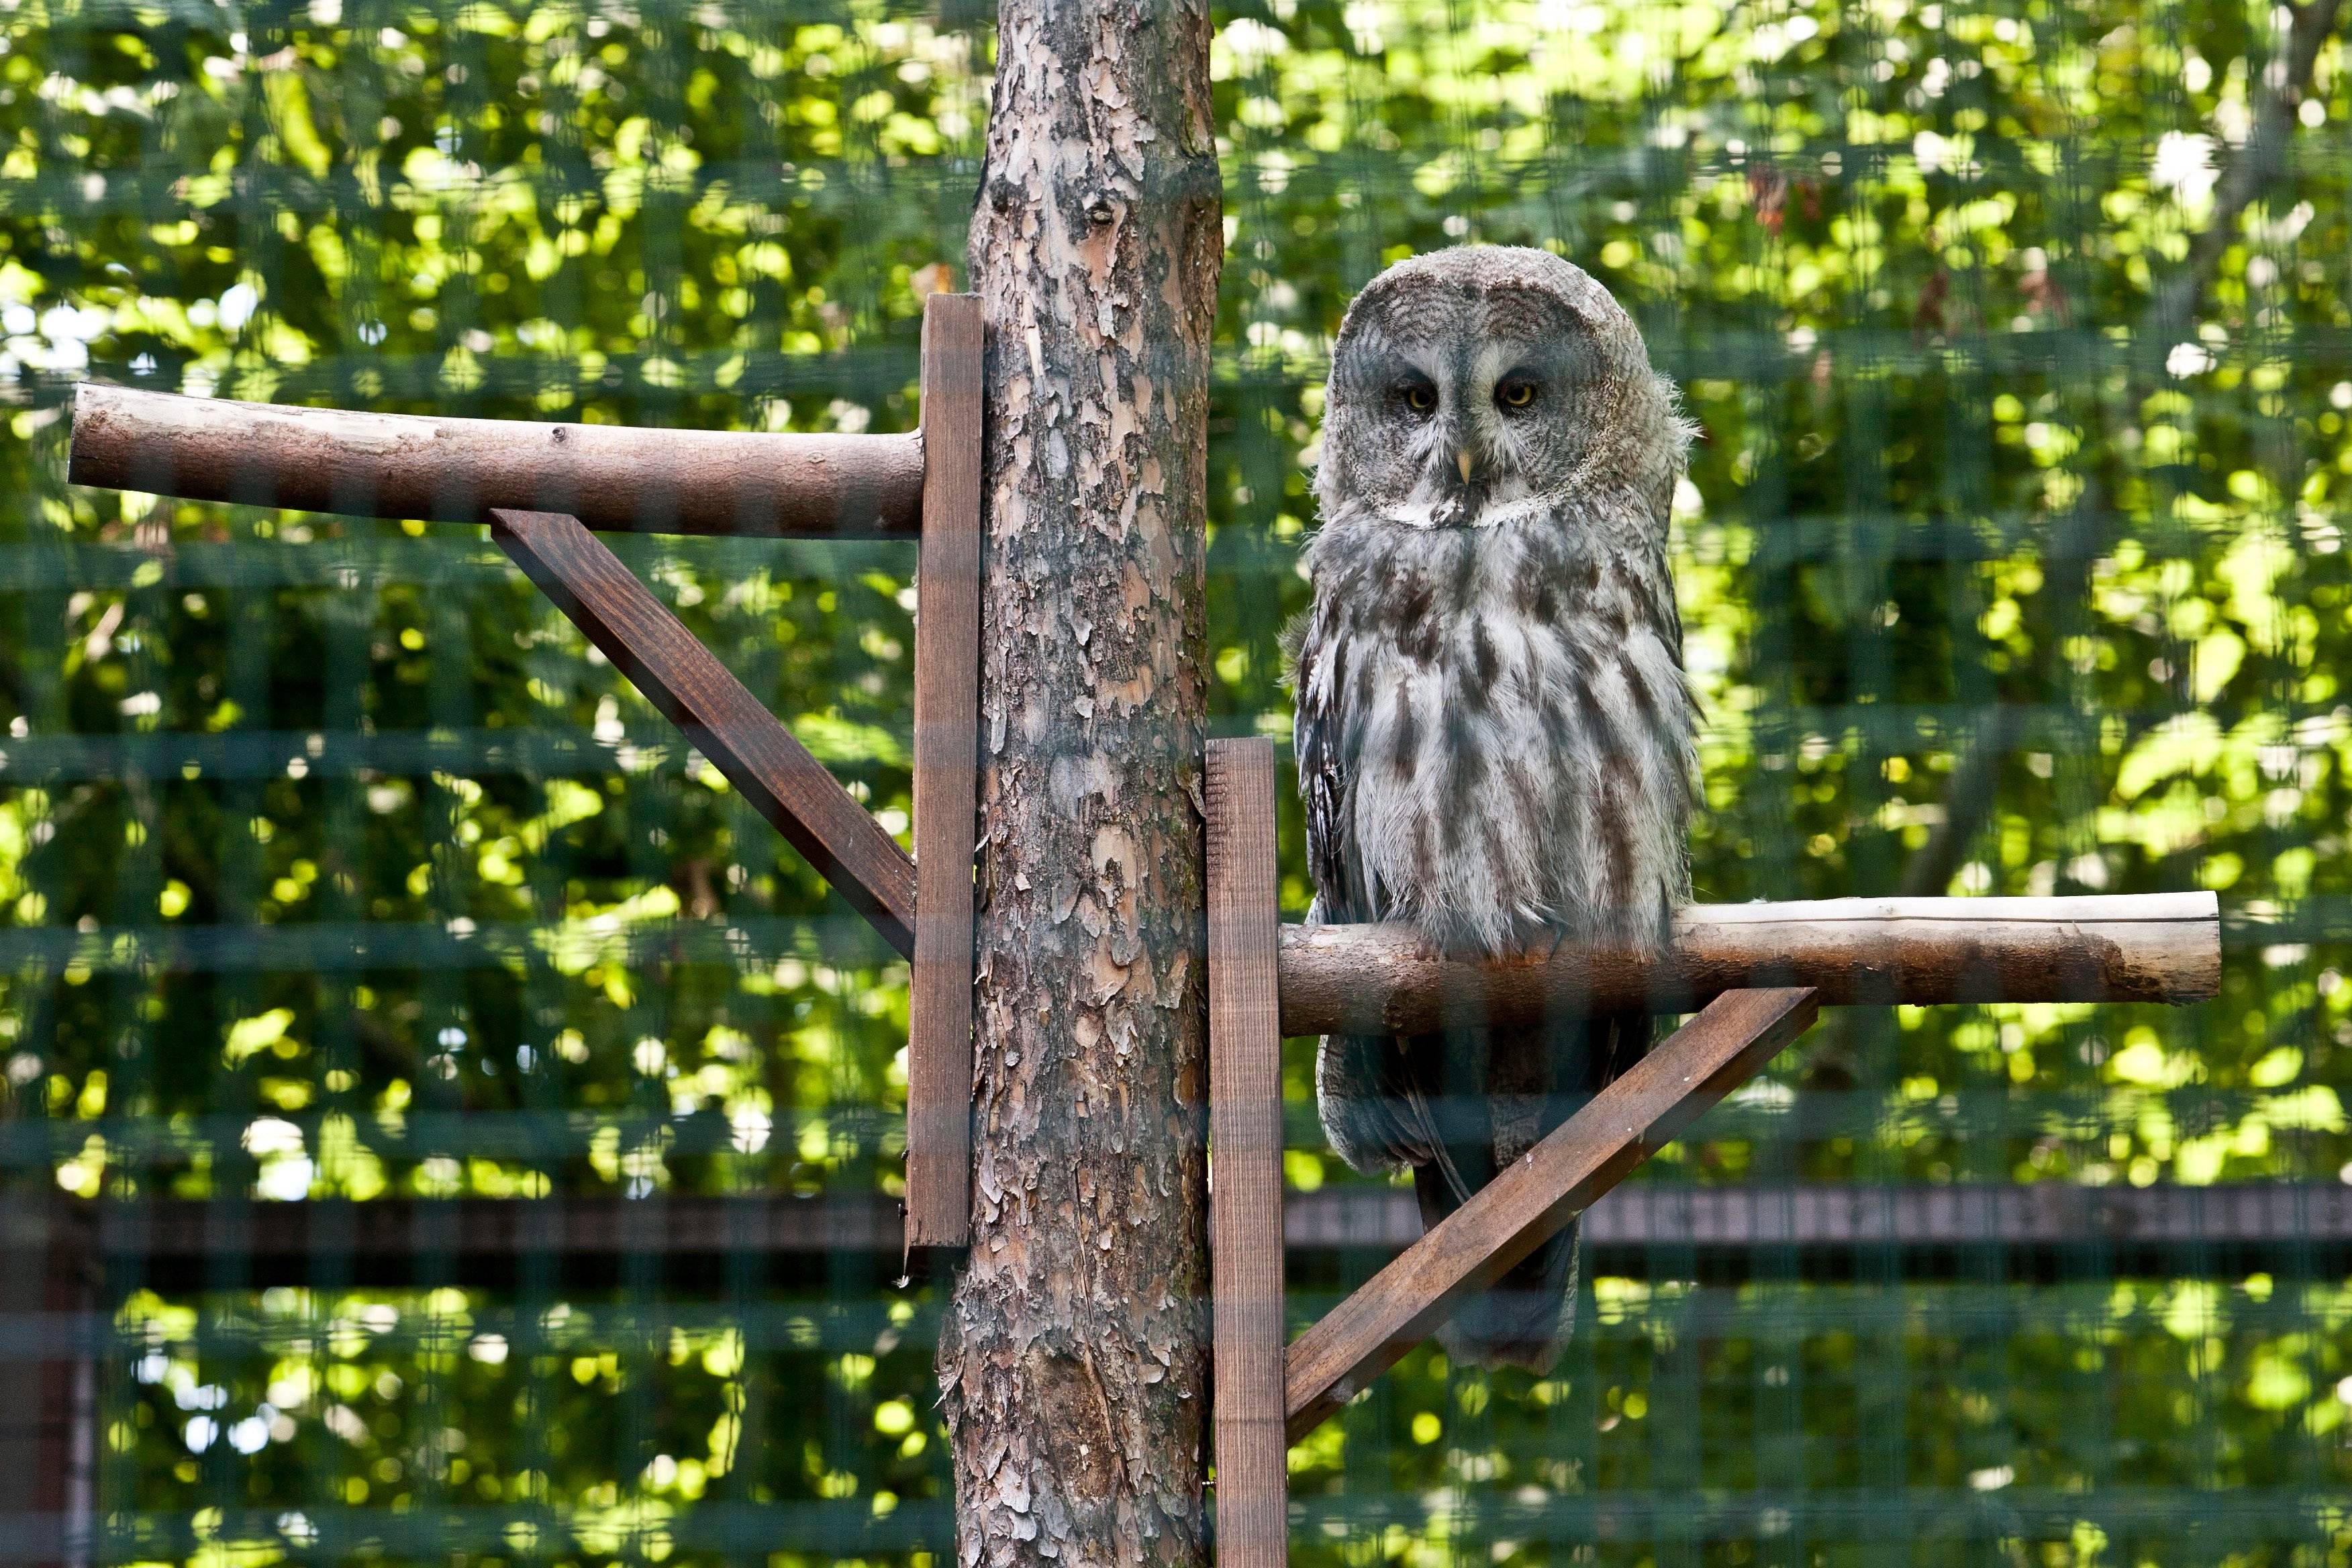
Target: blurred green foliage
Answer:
pixel 335 865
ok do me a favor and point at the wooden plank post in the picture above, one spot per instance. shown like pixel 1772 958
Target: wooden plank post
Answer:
pixel 947 754
pixel 1245 1159
pixel 1529 1201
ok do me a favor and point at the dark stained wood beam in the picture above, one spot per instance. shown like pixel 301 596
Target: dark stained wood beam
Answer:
pixel 49 1400
pixel 2152 947
pixel 1531 1200
pixel 947 764
pixel 2032 1226
pixel 718 717
pixel 614 478
pixel 1252 1478
pixel 2035 1230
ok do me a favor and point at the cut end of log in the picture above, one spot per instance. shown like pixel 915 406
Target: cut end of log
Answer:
pixel 88 414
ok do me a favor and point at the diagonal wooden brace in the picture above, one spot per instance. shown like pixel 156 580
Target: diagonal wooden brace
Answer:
pixel 1533 1199
pixel 720 718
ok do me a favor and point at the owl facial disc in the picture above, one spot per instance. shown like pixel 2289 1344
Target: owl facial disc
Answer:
pixel 1469 382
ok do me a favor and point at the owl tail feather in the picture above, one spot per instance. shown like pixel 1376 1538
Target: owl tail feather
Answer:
pixel 1442 1161
pixel 1525 1319
pixel 1520 1085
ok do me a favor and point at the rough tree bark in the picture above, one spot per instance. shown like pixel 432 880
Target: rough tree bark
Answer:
pixel 1072 1362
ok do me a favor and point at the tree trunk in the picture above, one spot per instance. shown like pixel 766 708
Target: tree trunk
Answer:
pixel 1073 1360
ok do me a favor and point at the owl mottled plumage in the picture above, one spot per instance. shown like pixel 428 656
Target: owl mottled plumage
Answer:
pixel 1493 736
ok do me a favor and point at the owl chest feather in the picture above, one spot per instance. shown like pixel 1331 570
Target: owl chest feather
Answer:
pixel 1494 737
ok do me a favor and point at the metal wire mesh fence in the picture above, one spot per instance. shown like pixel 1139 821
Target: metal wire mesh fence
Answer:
pixel 453 1124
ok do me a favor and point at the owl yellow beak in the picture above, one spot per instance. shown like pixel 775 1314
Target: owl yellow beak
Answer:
pixel 1461 461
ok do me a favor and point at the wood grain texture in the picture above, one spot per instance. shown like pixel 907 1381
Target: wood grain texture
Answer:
pixel 1245 1159
pixel 613 478
pixel 2151 947
pixel 946 755
pixel 718 717
pixel 1529 1201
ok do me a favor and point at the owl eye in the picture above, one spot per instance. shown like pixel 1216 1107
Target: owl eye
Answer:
pixel 1419 397
pixel 1515 392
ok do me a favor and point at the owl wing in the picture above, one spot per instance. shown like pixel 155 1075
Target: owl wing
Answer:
pixel 1323 788
pixel 1371 1110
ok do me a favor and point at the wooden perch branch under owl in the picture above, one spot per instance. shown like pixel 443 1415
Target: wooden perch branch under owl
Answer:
pixel 2138 947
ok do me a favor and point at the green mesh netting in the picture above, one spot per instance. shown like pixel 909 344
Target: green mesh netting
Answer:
pixel 335 868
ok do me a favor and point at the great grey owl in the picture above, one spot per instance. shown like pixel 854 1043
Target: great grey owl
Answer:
pixel 1494 735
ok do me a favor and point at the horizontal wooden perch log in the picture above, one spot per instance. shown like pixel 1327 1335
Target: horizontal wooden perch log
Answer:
pixel 2153 947
pixel 613 478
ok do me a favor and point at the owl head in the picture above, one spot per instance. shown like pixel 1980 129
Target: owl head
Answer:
pixel 1474 379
